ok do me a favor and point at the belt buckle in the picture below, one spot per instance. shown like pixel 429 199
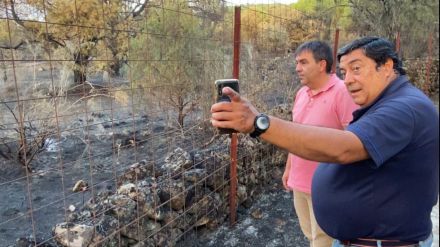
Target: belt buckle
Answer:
pixel 345 242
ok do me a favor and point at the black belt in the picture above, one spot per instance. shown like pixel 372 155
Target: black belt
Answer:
pixel 384 243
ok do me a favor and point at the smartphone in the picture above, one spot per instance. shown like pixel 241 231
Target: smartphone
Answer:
pixel 219 85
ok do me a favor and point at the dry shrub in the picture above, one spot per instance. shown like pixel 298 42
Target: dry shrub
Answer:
pixel 417 72
pixel 33 124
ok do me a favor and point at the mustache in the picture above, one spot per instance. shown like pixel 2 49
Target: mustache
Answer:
pixel 352 88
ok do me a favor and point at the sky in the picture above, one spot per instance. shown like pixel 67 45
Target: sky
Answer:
pixel 238 2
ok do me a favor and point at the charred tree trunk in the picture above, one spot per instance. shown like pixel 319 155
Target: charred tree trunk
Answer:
pixel 80 68
pixel 115 67
pixel 181 116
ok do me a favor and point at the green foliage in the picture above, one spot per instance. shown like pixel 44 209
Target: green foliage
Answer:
pixel 171 56
pixel 86 30
pixel 305 6
pixel 169 46
pixel 181 45
pixel 325 15
pixel 272 28
pixel 413 19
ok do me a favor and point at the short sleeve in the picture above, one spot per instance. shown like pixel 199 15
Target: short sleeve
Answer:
pixel 385 131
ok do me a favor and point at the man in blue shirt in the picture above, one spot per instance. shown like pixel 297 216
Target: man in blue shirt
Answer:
pixel 378 180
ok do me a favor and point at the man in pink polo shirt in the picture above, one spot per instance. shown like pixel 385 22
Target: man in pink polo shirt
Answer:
pixel 322 101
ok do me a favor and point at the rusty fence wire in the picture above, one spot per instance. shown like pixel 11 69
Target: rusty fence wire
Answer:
pixel 105 137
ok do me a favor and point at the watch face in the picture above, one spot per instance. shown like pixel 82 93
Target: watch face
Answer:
pixel 262 123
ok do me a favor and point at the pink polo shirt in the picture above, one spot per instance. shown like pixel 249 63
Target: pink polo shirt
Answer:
pixel 331 107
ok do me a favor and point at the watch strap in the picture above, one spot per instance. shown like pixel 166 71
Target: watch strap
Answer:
pixel 257 131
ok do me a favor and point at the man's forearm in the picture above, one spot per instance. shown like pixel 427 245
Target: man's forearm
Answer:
pixel 315 143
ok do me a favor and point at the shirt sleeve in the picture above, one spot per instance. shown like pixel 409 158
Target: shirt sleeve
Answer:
pixel 385 131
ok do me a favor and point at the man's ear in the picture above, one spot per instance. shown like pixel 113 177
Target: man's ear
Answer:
pixel 389 65
pixel 323 65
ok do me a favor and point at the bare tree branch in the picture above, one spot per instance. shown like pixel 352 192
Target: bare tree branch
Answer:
pixel 11 111
pixel 12 47
pixel 14 14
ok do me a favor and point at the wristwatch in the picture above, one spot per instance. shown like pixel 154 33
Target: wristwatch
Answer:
pixel 261 124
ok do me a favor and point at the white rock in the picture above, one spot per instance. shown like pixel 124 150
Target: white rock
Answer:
pixel 126 189
pixel 251 230
pixel 73 236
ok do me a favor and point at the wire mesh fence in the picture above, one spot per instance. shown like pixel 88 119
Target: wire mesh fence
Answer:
pixel 105 137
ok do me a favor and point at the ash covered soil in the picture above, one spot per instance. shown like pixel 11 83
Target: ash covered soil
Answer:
pixel 269 222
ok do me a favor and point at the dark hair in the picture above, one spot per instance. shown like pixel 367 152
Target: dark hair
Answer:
pixel 378 49
pixel 320 51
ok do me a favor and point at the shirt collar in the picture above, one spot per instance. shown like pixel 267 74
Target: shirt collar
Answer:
pixel 391 88
pixel 330 83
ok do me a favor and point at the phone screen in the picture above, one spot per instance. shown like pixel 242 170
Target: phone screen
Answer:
pixel 220 84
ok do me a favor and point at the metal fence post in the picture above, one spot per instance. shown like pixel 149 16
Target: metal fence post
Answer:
pixel 335 50
pixel 234 138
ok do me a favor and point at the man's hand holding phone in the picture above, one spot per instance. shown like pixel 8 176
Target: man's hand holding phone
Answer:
pixel 219 85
